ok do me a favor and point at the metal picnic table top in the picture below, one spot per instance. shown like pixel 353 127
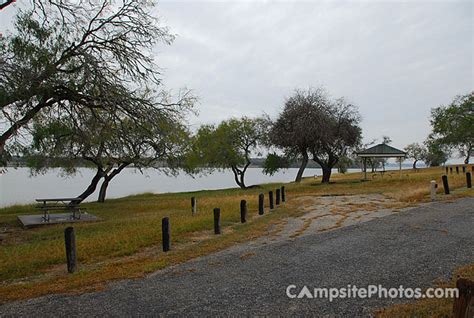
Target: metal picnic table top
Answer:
pixel 58 200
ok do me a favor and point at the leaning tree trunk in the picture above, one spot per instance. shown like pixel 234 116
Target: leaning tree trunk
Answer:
pixel 414 164
pixel 107 179
pixel 93 185
pixel 304 163
pixel 103 190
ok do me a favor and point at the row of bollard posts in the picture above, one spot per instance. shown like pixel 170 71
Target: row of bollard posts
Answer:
pixel 70 237
pixel 444 178
pixel 464 169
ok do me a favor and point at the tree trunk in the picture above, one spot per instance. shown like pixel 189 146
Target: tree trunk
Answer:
pixel 107 179
pixel 326 173
pixel 103 190
pixel 414 164
pixel 93 185
pixel 304 163
pixel 239 175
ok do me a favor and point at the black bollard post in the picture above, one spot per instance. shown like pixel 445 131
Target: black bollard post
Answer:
pixel 217 221
pixel 468 180
pixel 261 208
pixel 193 205
pixel 457 169
pixel 270 199
pixel 283 197
pixel 446 170
pixel 277 197
pixel 70 240
pixel 451 170
pixel 445 184
pixel 243 211
pixel 463 169
pixel 165 231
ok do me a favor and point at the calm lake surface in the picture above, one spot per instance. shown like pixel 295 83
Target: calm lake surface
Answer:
pixel 17 187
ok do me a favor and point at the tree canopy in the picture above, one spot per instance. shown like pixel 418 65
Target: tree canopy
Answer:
pixel 453 125
pixel 96 55
pixel 312 124
pixel 109 141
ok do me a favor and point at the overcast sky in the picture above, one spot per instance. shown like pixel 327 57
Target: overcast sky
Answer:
pixel 394 60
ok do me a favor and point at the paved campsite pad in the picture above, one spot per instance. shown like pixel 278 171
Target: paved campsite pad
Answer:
pixel 412 248
pixel 325 213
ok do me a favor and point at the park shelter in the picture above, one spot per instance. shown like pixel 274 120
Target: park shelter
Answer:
pixel 381 151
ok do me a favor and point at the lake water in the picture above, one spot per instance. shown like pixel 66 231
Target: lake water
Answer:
pixel 17 187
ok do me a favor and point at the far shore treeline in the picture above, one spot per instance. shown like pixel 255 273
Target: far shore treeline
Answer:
pixel 80 87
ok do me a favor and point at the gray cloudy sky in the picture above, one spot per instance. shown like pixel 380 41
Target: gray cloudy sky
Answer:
pixel 394 60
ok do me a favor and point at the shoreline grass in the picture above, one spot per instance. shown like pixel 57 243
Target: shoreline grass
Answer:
pixel 126 243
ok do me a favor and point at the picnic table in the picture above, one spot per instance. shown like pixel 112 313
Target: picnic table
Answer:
pixel 61 204
pixel 381 173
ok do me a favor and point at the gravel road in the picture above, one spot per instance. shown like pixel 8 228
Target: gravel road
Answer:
pixel 412 248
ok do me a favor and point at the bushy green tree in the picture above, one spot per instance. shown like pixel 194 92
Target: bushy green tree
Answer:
pixel 453 125
pixel 228 145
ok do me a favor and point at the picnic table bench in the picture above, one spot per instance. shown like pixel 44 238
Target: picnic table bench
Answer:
pixel 61 204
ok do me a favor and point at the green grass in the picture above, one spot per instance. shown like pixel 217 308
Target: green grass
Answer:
pixel 126 242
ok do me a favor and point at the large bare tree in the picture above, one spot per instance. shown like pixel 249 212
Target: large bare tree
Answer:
pixel 312 125
pixel 92 54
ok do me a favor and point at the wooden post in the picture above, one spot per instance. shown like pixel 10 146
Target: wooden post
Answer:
pixel 70 240
pixel 261 208
pixel 165 231
pixel 463 169
pixel 433 190
pixel 193 205
pixel 365 168
pixel 243 211
pixel 463 306
pixel 283 196
pixel 446 170
pixel 270 199
pixel 445 184
pixel 217 221
pixel 400 167
pixel 277 197
pixel 457 170
pixel 468 180
pixel 451 170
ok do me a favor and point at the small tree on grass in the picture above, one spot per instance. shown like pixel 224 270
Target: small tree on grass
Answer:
pixel 416 152
pixel 436 153
pixel 228 146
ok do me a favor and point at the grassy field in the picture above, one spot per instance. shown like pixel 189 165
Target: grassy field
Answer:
pixel 126 243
